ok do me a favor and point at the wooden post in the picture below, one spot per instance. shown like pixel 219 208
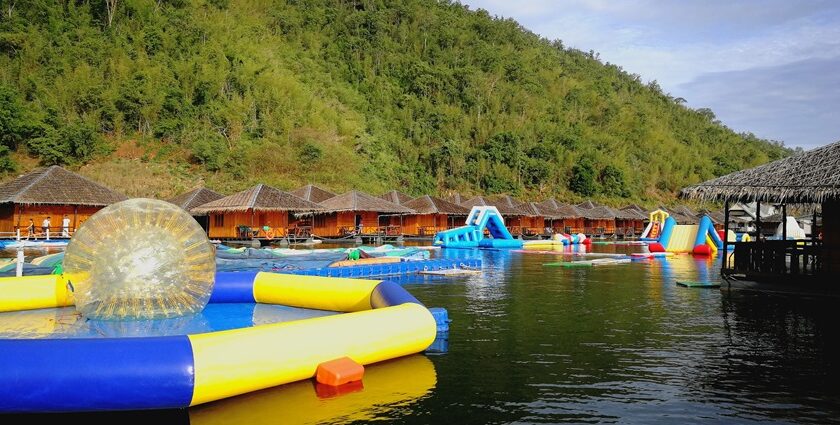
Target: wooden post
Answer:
pixel 19 266
pixel 725 236
pixel 784 222
pixel 758 220
pixel 814 225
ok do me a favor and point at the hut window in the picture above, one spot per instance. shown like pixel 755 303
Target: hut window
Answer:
pixel 319 220
pixel 219 220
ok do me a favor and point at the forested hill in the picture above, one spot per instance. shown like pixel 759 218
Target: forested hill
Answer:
pixel 424 96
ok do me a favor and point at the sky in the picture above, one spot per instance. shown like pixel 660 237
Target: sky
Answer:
pixel 770 67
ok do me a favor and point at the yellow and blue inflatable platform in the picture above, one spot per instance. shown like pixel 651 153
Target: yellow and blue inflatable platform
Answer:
pixel 381 321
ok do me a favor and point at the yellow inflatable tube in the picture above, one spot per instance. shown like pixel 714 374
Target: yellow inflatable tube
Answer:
pixel 33 292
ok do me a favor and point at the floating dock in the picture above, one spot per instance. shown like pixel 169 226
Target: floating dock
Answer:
pixel 390 269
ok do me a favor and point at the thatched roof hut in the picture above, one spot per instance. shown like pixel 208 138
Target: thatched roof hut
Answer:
pixel 195 198
pixel 639 212
pixel 594 211
pixel 456 198
pixel 509 203
pixel 312 193
pixel 544 210
pixel 56 186
pixel 810 177
pixel 395 197
pixel 258 198
pixel 355 200
pixel 477 201
pixel 562 210
pixel 431 205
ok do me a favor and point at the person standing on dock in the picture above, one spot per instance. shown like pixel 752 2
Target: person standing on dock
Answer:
pixel 45 225
pixel 30 230
pixel 65 226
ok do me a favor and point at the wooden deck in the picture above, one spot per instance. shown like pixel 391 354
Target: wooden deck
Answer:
pixel 778 261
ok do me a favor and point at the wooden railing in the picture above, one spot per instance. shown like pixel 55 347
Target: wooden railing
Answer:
pixel 299 232
pixel 594 231
pixel 371 231
pixel 776 259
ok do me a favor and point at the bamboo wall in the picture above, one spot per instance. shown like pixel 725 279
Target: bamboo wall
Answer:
pixel 331 224
pixel 14 216
pixel 225 225
pixel 607 225
pixel 575 225
pixel 431 223
pixel 536 224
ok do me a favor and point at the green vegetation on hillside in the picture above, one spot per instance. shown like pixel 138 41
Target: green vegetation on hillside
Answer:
pixel 425 96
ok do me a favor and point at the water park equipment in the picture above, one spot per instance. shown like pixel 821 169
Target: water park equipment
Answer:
pixel 60 370
pixel 793 230
pixel 699 239
pixel 654 227
pixel 140 258
pixel 472 234
pixel 559 239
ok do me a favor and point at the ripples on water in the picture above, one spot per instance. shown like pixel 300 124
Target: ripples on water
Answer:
pixel 622 343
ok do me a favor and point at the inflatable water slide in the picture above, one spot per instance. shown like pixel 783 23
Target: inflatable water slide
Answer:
pixel 698 239
pixel 471 235
pixel 654 227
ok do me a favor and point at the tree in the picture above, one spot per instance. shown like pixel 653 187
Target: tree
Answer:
pixel 582 181
pixel 612 182
pixel 111 9
pixel 12 128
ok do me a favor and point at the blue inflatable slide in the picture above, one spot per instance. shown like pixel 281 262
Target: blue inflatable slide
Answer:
pixel 472 234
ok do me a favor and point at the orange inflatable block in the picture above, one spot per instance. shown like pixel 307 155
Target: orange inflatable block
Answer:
pixel 339 371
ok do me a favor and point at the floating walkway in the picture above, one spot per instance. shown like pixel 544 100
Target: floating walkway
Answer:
pixel 389 269
pixel 590 263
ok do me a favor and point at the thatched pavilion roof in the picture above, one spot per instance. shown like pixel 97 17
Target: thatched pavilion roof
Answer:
pixel 594 211
pixel 56 186
pixel 431 205
pixel 456 198
pixel 640 213
pixel 810 177
pixel 507 201
pixel 561 210
pixel 258 198
pixel 543 210
pixel 195 198
pixel 360 201
pixel 312 193
pixel 503 208
pixel 623 214
pixel 717 216
pixel 395 197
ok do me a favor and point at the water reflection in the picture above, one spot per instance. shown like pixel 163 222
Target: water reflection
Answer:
pixel 624 343
pixel 618 343
pixel 389 391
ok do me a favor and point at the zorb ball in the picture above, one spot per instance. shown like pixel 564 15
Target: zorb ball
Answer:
pixel 140 259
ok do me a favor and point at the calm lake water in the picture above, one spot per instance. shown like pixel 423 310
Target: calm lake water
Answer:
pixel 622 343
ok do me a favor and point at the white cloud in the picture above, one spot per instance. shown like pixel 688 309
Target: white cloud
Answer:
pixel 680 42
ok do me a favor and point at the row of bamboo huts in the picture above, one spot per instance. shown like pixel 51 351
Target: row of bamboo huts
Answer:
pixel 266 212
